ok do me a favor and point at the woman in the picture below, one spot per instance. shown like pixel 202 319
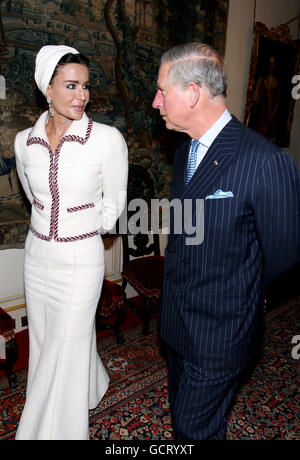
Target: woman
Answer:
pixel 74 173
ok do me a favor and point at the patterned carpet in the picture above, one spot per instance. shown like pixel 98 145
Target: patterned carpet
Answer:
pixel 136 405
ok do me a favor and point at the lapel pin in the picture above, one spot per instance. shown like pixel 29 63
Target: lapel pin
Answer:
pixel 216 162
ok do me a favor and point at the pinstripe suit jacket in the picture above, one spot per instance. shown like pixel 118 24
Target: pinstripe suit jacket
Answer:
pixel 212 301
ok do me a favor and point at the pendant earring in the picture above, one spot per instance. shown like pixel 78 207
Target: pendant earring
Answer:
pixel 50 111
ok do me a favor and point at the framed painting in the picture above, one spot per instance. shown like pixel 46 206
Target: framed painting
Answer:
pixel 275 60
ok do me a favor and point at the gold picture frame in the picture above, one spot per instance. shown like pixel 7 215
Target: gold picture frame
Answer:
pixel 275 59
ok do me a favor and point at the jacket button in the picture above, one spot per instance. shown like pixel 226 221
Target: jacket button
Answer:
pixel 185 261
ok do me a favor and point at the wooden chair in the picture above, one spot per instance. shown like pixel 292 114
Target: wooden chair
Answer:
pixel 10 349
pixel 111 310
pixel 143 265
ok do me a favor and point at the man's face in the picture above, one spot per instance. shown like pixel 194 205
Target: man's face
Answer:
pixel 171 101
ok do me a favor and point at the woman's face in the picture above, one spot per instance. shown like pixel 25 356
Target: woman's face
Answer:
pixel 69 91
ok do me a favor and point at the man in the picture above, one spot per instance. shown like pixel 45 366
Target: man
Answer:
pixel 212 302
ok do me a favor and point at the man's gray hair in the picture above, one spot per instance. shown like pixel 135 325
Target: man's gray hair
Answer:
pixel 198 63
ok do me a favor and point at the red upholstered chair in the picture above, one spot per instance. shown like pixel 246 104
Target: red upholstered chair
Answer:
pixel 143 265
pixel 111 311
pixel 8 347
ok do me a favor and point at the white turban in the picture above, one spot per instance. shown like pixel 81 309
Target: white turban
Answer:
pixel 46 61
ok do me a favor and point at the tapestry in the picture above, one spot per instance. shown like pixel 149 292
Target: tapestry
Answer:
pixel 124 40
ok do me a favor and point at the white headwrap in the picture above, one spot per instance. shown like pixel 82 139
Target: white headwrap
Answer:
pixel 46 61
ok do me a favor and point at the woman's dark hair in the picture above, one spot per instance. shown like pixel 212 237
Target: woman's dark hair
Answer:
pixel 70 58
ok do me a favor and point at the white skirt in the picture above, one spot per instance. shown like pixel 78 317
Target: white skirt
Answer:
pixel 66 377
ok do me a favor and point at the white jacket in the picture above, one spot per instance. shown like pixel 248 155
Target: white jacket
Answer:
pixel 79 189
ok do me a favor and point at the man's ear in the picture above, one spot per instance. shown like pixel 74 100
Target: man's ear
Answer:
pixel 194 94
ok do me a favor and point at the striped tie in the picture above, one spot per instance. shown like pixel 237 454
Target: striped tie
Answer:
pixel 191 168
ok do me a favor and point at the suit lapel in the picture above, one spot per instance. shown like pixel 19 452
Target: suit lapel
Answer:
pixel 219 156
pixel 217 159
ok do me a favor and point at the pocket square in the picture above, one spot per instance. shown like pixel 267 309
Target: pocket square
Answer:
pixel 219 194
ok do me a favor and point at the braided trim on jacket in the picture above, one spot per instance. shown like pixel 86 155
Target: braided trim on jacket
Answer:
pixel 53 185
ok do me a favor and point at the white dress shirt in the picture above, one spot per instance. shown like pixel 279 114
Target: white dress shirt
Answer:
pixel 209 136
